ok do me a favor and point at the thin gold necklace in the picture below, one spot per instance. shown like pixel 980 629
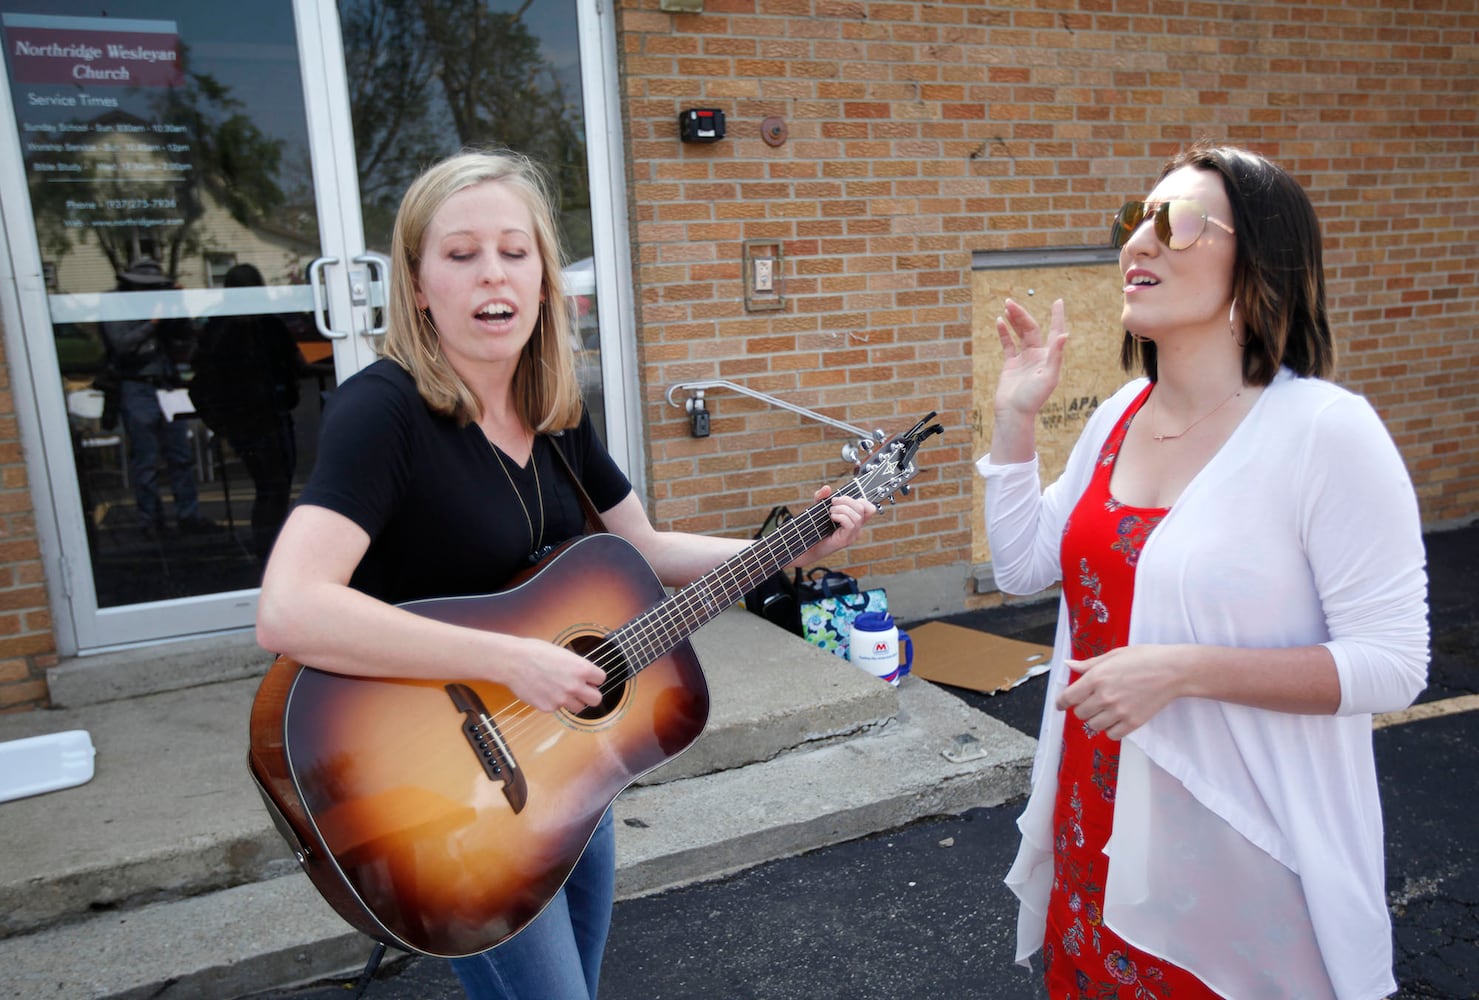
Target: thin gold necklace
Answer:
pixel 1156 411
pixel 534 543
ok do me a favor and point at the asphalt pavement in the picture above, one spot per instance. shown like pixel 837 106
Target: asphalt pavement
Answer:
pixel 922 912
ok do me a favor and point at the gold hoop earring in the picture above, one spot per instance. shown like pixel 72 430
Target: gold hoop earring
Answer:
pixel 1231 328
pixel 435 354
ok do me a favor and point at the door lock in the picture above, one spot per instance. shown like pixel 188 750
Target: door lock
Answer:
pixel 359 287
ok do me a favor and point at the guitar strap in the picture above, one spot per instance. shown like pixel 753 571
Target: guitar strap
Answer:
pixel 593 523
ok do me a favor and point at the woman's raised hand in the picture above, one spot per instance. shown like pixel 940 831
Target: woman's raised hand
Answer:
pixel 1031 364
pixel 1031 361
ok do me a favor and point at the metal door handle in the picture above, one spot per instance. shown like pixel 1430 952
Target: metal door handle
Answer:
pixel 315 284
pixel 379 291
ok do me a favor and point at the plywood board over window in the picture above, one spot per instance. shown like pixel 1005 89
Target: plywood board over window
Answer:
pixel 1092 298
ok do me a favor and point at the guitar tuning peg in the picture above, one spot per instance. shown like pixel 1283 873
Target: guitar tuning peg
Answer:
pixel 904 490
pixel 849 454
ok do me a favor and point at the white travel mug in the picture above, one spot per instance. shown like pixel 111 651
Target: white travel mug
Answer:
pixel 875 646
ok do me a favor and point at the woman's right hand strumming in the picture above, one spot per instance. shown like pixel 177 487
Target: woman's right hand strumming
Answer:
pixel 549 677
pixel 1031 365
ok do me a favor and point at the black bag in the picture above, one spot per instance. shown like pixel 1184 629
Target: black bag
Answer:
pixel 775 597
pixel 820 582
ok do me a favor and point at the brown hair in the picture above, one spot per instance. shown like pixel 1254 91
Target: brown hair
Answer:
pixel 1278 268
pixel 545 388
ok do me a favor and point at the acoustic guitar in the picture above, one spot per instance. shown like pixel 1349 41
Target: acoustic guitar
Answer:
pixel 442 817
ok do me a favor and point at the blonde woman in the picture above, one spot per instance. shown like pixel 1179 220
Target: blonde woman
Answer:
pixel 436 476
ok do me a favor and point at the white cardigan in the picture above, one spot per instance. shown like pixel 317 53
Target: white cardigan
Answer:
pixel 1247 844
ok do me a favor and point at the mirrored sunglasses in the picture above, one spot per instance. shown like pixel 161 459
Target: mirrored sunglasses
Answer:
pixel 1178 223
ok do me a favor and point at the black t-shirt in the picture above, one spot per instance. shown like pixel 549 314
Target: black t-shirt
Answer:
pixel 442 516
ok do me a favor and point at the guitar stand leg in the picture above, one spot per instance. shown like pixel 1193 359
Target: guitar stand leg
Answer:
pixel 366 977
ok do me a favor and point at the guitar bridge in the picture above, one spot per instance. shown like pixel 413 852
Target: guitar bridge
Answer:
pixel 488 745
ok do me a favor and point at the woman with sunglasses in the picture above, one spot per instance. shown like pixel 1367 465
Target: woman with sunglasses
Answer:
pixel 1243 586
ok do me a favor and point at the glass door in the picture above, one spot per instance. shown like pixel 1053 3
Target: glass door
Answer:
pixel 203 283
pixel 429 78
pixel 195 226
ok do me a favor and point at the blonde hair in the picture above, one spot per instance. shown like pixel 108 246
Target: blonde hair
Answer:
pixel 545 388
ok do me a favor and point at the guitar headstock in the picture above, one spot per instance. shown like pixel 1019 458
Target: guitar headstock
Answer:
pixel 887 468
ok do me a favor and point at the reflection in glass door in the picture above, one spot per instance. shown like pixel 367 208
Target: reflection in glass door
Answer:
pixel 427 79
pixel 205 192
pixel 167 154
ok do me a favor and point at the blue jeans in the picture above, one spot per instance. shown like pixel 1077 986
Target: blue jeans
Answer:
pixel 558 955
pixel 149 434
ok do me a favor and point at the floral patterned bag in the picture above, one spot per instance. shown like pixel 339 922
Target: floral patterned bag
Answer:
pixel 827 622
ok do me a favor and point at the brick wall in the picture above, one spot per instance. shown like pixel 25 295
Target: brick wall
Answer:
pixel 26 644
pixel 920 132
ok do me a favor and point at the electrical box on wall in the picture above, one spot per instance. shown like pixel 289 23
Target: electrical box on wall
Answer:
pixel 762 275
pixel 701 125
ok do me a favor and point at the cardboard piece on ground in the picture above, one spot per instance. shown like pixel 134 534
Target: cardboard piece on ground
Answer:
pixel 968 658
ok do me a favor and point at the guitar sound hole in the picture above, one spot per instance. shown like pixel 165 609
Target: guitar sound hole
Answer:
pixel 618 674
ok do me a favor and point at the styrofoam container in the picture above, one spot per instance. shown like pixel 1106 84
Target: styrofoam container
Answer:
pixel 45 763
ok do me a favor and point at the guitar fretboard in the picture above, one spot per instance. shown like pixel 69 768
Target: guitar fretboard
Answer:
pixel 660 628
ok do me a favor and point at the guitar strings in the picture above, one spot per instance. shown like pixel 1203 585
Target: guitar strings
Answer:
pixel 519 718
pixel 608 654
pixel 655 620
pixel 813 525
pixel 817 517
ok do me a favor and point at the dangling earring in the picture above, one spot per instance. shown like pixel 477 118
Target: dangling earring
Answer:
pixel 1231 328
pixel 435 354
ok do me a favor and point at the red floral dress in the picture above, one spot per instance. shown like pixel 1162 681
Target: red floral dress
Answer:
pixel 1101 545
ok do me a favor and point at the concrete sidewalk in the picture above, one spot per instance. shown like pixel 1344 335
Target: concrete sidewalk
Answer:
pixel 921 911
pixel 163 877
pixel 165 871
